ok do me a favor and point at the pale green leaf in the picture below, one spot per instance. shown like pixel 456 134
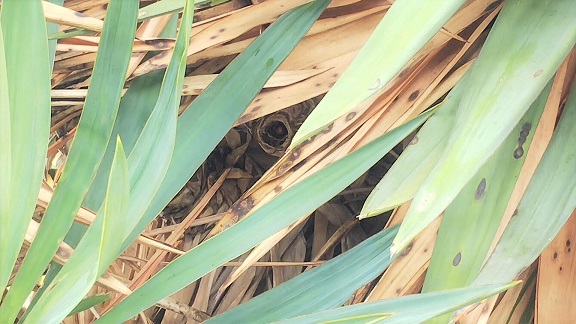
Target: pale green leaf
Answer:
pixel 24 122
pixel 89 144
pixel 546 205
pixel 323 287
pixel 392 44
pixel 262 223
pixel 211 115
pixel 409 309
pixel 529 40
pixel 95 252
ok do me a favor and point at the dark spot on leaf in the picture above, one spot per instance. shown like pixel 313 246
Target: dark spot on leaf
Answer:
pixel 457 259
pixel 257 99
pixel 256 108
pixel 335 75
pixel 318 84
pixel 407 250
pixel 331 84
pixel 425 250
pixel 481 189
pixel 295 153
pixel 278 189
pixel 538 73
pixel 395 99
pixel 403 73
pixel 243 207
pixel 555 255
pixel 518 153
pixel 568 243
pixel 414 95
pixel 81 15
pixel 221 30
pixel 284 167
pixel 328 128
pixel 350 116
pixel 561 269
pixel 398 290
pixel 213 36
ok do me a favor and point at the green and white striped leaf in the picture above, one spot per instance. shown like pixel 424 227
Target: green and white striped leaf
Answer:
pixel 259 225
pixel 95 252
pixel 529 40
pixel 323 287
pixel 24 122
pixel 392 44
pixel 546 205
pixel 409 309
pixel 87 150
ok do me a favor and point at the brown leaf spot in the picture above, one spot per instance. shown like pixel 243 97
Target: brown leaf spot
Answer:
pixel 221 30
pixel 284 167
pixel 481 189
pixel 350 116
pixel 555 255
pixel 414 95
pixel 407 250
pixel 538 73
pixel 328 128
pixel 457 259
pixel 518 153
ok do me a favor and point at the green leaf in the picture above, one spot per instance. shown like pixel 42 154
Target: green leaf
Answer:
pixel 152 152
pixel 88 303
pixel 470 222
pixel 24 122
pixel 529 40
pixel 326 286
pixel 96 251
pixel 310 193
pixel 211 115
pixel 409 309
pixel 546 205
pixel 88 147
pixel 392 44
pixel 407 174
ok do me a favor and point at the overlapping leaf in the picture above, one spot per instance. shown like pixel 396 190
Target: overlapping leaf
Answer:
pixel 409 309
pixel 265 221
pixel 326 286
pixel 525 47
pixel 97 250
pixel 24 122
pixel 87 150
pixel 406 27
pixel 546 205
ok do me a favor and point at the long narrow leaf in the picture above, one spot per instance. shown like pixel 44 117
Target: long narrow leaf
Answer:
pixel 548 202
pixel 87 150
pixel 97 250
pixel 406 27
pixel 529 40
pixel 409 309
pixel 265 221
pixel 324 287
pixel 212 114
pixel 25 122
pixel 470 222
pixel 151 155
pixel 407 174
